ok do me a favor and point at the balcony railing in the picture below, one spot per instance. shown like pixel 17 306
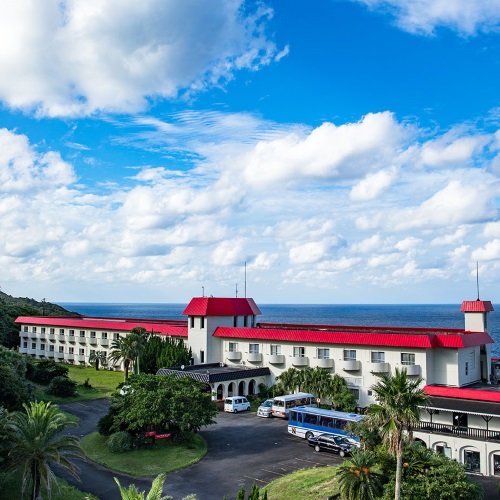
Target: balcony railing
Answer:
pixel 463 432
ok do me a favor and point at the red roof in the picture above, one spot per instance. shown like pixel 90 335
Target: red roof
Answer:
pixel 476 306
pixel 164 328
pixel 217 306
pixel 460 393
pixel 407 339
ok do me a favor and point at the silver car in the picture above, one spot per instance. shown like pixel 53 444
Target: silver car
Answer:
pixel 265 408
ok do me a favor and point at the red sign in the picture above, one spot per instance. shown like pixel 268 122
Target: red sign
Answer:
pixel 157 436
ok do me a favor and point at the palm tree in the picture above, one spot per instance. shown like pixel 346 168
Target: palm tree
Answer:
pixel 132 493
pixel 127 349
pixel 38 444
pixel 289 379
pixel 98 357
pixel 359 477
pixel 399 400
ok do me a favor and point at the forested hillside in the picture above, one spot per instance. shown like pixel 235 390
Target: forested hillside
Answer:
pixel 12 307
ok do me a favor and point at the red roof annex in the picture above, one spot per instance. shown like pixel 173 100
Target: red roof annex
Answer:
pixel 123 326
pixel 476 306
pixel 459 393
pixel 419 340
pixel 218 306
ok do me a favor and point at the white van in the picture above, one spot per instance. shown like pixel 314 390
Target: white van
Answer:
pixel 235 404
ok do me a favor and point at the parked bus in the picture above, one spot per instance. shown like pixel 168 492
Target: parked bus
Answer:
pixel 306 422
pixel 282 404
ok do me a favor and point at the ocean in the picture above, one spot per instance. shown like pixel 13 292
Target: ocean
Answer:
pixel 413 315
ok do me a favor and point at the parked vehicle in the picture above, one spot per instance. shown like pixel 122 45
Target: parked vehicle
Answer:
pixel 282 404
pixel 333 444
pixel 266 409
pixel 234 404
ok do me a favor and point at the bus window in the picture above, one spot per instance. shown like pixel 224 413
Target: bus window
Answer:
pixel 326 422
pixel 293 416
pixel 310 419
pixel 340 424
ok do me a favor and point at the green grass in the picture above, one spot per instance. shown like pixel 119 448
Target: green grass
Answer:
pixel 306 484
pixel 103 383
pixel 164 456
pixel 11 488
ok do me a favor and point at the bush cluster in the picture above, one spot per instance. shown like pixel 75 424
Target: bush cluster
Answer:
pixel 119 442
pixel 43 371
pixel 62 387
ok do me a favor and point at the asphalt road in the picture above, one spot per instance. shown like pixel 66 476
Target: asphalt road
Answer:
pixel 242 449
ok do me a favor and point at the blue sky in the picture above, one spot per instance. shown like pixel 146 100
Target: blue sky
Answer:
pixel 348 151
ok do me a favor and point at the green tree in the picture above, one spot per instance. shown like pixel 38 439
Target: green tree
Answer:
pixel 13 389
pixel 398 407
pixel 359 478
pixel 161 352
pixel 155 493
pixel 128 348
pixel 98 358
pixel 38 444
pixel 289 380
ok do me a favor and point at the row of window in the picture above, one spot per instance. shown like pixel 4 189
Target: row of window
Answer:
pixel 71 333
pixel 247 321
pixel 324 353
pixel 60 349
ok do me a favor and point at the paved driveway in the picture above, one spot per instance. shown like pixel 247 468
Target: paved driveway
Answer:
pixel 242 449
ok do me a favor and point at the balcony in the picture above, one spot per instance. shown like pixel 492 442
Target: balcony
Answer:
pixel 31 335
pixel 93 340
pixel 300 361
pixel 277 359
pixel 23 350
pixel 324 363
pixel 104 341
pixel 453 430
pixel 82 340
pixel 379 367
pixel 80 358
pixel 51 336
pixel 61 337
pixel 72 339
pixel 233 355
pixel 412 370
pixel 351 365
pixel 254 357
pixel 69 356
pixel 49 354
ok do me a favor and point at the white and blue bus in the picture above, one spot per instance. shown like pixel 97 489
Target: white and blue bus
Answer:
pixel 283 404
pixel 306 422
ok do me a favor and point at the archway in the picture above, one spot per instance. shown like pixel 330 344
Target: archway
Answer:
pixel 241 388
pixel 420 442
pixel 251 387
pixel 220 391
pixel 230 389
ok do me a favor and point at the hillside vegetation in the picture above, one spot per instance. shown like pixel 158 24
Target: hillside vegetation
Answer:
pixel 12 307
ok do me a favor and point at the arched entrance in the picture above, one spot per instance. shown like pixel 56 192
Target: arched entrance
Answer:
pixel 241 388
pixel 251 387
pixel 420 442
pixel 220 391
pixel 230 389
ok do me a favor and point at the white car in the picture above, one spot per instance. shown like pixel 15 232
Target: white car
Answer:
pixel 265 409
pixel 234 404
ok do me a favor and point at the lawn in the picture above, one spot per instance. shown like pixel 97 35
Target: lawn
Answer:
pixel 11 488
pixel 103 383
pixel 312 484
pixel 164 456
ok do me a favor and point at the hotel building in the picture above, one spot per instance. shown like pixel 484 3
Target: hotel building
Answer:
pixel 234 353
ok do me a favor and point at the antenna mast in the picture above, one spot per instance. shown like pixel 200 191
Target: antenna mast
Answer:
pixel 477 278
pixel 245 279
pixel 236 290
pixel 203 291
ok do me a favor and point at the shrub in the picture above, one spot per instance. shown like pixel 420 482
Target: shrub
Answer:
pixel 62 387
pixel 119 442
pixel 104 425
pixel 42 372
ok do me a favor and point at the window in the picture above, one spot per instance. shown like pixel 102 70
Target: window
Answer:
pixel 245 321
pixel 275 350
pixel 92 351
pixel 42 329
pixel 202 356
pixel 349 355
pixel 92 335
pixel 323 353
pixel 370 393
pixel 472 461
pixel 202 322
pixel 253 321
pixel 254 348
pixel 407 358
pixel 355 392
pixel 25 345
pixel 61 349
pixel 33 329
pixel 33 345
pixel 104 335
pixel 52 330
pixel 299 352
pixel 71 350
pixel 235 321
pixel 191 321
pixel 233 346
pixel 42 347
pixel 82 352
pixel 378 357
pixel 466 368
pixel 61 331
pixel 82 333
pixel 72 333
pixel 26 329
pixel 51 348
pixel 116 336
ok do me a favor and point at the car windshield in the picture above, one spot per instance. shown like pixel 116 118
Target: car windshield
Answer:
pixel 267 404
pixel 342 440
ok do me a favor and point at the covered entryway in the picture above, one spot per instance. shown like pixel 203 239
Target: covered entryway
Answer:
pixel 241 388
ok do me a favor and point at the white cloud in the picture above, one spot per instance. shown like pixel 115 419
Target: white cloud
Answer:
pixel 492 229
pixel 373 185
pixel 408 244
pixel 308 252
pixel 451 239
pixel 467 17
pixel 490 251
pixel 52 56
pixel 229 252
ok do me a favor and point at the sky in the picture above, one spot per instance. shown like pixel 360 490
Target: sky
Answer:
pixel 328 151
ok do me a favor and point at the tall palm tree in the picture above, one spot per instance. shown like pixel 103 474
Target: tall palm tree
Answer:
pixel 127 349
pixel 289 379
pixel 97 358
pixel 398 408
pixel 359 477
pixel 132 493
pixel 37 445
